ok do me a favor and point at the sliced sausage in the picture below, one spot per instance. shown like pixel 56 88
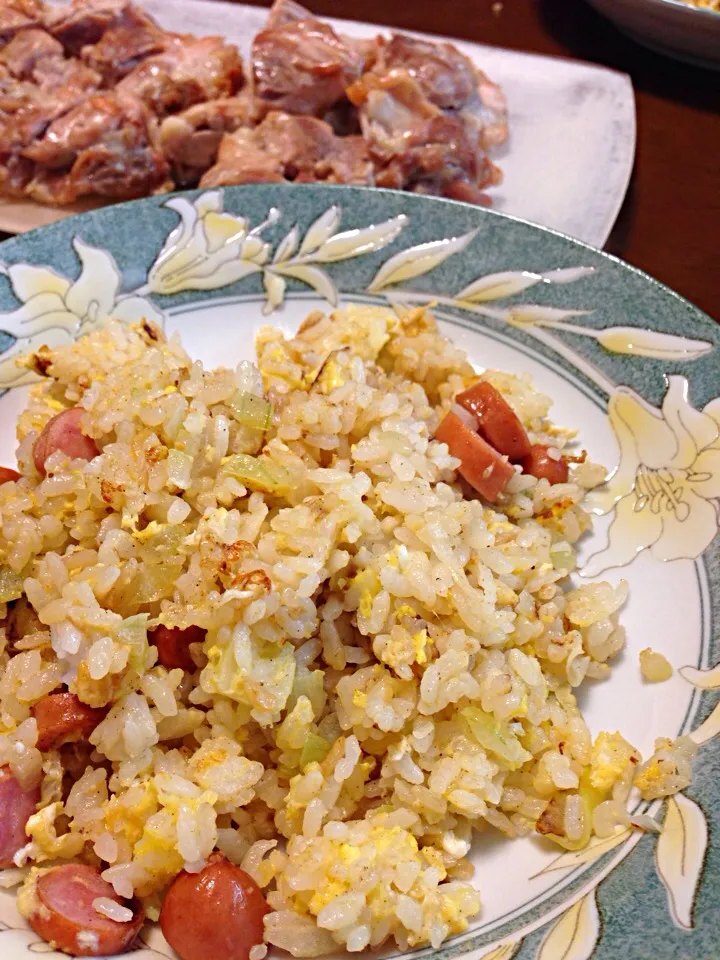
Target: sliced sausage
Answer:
pixel 63 913
pixel 64 718
pixel 216 914
pixel 481 465
pixel 497 421
pixel 16 808
pixel 64 433
pixel 7 474
pixel 173 645
pixel 540 464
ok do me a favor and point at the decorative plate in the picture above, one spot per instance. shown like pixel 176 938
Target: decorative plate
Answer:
pixel 676 28
pixel 572 125
pixel 630 365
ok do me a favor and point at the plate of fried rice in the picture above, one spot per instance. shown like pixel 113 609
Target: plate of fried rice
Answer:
pixel 358 573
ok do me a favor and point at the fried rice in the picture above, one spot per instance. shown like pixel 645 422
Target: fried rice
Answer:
pixel 389 665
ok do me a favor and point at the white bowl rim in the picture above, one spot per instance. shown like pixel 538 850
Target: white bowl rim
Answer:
pixel 687 7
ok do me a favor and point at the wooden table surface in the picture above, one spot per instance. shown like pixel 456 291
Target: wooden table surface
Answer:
pixel 670 222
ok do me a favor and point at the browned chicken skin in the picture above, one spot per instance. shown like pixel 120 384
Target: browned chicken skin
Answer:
pixel 52 73
pixel 421 115
pixel 188 71
pixel 124 45
pixel 285 147
pixel 303 66
pixel 96 98
pixel 190 139
pixel 83 22
pixel 26 48
pixel 19 15
pixel 104 146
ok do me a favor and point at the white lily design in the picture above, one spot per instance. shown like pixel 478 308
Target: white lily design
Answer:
pixel 664 491
pixel 208 248
pixel 56 310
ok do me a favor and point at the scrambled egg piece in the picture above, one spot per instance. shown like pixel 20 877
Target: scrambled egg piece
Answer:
pixel 330 376
pixel 158 854
pixel 434 859
pixel 420 642
pixel 666 772
pixel 611 754
pixel 348 853
pixel 382 842
pixel 142 536
pixel 366 585
pixel 333 889
pixel 45 844
pixel 127 813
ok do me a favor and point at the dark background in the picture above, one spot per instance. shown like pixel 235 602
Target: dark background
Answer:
pixel 670 222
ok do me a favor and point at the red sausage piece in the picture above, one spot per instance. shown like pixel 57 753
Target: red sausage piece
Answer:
pixel 481 465
pixel 216 914
pixel 497 421
pixel 64 433
pixel 173 645
pixel 541 465
pixel 65 916
pixel 63 718
pixel 16 807
pixel 7 474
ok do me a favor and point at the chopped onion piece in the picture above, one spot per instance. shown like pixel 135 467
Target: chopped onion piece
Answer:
pixel 563 556
pixel 259 473
pixel 315 749
pixel 496 736
pixel 179 469
pixel 250 410
pixel 654 666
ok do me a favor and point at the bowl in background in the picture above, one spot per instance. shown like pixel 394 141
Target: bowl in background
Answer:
pixel 672 27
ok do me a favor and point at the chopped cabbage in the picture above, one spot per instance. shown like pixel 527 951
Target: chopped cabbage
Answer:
pixel 314 751
pixel 259 473
pixel 251 410
pixel 250 671
pixel 496 736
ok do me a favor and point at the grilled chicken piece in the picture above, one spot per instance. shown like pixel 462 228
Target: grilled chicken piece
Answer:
pixel 15 174
pixel 283 12
pixel 242 159
pixel 26 111
pixel 124 45
pixel 300 65
pixel 445 76
pixel 190 139
pixel 415 144
pixel 283 147
pixel 26 48
pixel 13 95
pixel 84 22
pixel 105 146
pixel 189 71
pixel 19 15
pixel 449 80
pixel 36 56
pixel 52 73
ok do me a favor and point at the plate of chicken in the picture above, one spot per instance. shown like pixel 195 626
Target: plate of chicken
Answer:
pixel 104 101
